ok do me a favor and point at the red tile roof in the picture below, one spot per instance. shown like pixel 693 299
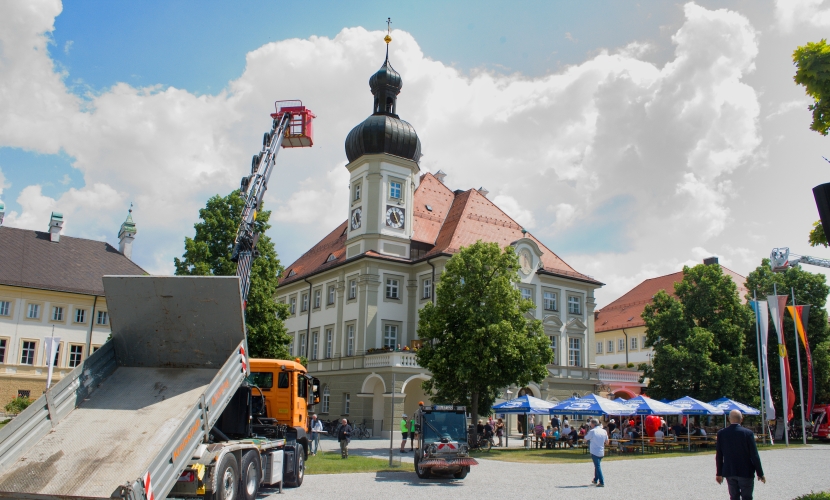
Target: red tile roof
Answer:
pixel 457 219
pixel 76 265
pixel 626 311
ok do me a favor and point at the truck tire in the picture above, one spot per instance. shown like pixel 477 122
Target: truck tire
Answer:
pixel 250 475
pixel 299 469
pixel 227 478
pixel 421 472
pixel 462 473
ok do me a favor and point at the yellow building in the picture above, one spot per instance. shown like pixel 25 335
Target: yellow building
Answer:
pixel 50 285
pixel 620 332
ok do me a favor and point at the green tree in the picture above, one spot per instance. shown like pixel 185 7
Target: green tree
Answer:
pixel 477 337
pixel 817 236
pixel 18 404
pixel 209 254
pixel 698 339
pixel 810 288
pixel 813 73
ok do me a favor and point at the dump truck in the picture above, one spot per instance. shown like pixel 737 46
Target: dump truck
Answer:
pixel 442 442
pixel 162 408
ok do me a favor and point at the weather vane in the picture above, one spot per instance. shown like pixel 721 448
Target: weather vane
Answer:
pixel 388 37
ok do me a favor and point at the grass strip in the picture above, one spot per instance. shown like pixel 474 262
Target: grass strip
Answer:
pixel 329 462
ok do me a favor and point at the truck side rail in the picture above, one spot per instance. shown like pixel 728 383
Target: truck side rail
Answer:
pixel 25 430
pixel 171 461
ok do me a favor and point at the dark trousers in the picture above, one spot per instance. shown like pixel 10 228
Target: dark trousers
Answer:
pixel 740 488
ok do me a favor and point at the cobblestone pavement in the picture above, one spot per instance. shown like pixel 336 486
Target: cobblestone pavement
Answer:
pixel 789 473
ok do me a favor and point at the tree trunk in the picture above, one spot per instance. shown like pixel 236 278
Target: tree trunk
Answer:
pixel 474 407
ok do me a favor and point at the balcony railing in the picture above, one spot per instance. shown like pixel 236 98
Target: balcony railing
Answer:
pixel 402 359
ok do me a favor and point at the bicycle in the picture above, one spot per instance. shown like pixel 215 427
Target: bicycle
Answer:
pixel 483 443
pixel 361 432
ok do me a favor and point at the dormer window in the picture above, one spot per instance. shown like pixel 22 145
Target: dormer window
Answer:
pixel 331 258
pixel 429 208
pixel 291 273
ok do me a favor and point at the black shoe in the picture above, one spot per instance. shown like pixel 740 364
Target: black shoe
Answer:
pixel 593 481
pixel 601 485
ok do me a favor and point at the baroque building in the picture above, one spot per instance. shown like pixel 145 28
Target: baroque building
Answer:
pixel 51 286
pixel 355 296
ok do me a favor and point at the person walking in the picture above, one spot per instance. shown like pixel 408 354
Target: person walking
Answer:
pixel 413 433
pixel 500 430
pixel 597 437
pixel 343 436
pixel 316 429
pixel 737 460
pixel 404 432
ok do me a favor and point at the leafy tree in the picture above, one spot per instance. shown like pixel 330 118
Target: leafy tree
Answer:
pixel 18 404
pixel 810 288
pixel 817 236
pixel 698 339
pixel 209 254
pixel 813 72
pixel 477 339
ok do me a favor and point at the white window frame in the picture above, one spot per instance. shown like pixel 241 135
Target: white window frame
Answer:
pixel 57 313
pixel 5 308
pixel 325 400
pixel 393 187
pixel 292 305
pixel 427 289
pixel 352 289
pixel 4 349
pixel 80 316
pixel 550 298
pixel 392 288
pixel 643 343
pixel 303 339
pixel 527 294
pixel 574 305
pixel 347 403
pixel 574 351
pixel 553 341
pixel 331 295
pixel 33 311
pixel 349 340
pixel 79 355
pixel 356 191
pixel 633 343
pixel 390 332
pixel 329 342
pixel 620 345
pixel 32 352
pixel 304 305
pixel 318 298
pixel 610 347
pixel 315 344
pixel 291 346
pixel 102 318
pixel 599 347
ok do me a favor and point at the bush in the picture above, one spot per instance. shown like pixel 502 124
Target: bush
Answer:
pixel 822 495
pixel 602 366
pixel 642 366
pixel 630 365
pixel 17 405
pixel 615 366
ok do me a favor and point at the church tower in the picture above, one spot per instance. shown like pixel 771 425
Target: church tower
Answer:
pixel 383 153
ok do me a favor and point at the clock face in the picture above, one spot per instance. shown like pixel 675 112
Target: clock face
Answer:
pixel 357 217
pixel 394 217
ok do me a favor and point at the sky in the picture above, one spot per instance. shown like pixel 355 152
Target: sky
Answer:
pixel 632 138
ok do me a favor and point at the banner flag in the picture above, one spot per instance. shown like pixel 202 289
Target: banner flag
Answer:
pixel 51 344
pixel 762 316
pixel 800 315
pixel 777 303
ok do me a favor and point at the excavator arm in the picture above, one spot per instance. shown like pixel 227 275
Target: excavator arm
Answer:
pixel 781 259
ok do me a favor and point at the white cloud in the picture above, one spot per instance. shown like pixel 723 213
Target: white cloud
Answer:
pixel 3 183
pixel 791 13
pixel 649 160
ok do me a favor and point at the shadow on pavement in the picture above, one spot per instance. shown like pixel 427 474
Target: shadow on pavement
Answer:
pixel 410 478
pixel 577 486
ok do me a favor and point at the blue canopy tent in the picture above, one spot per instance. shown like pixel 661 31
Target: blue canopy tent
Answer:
pixel 728 405
pixel 524 405
pixel 691 406
pixel 643 405
pixel 591 405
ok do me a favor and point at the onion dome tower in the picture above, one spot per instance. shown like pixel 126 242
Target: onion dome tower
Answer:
pixel 384 131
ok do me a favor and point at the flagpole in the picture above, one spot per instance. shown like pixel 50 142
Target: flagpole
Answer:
pixel 781 362
pixel 798 361
pixel 760 365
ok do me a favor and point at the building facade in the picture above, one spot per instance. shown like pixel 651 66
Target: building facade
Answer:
pixel 354 298
pixel 620 341
pixel 50 286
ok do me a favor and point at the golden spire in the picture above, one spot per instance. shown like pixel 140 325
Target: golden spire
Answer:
pixel 388 37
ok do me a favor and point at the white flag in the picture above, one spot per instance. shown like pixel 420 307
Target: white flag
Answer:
pixel 763 324
pixel 52 344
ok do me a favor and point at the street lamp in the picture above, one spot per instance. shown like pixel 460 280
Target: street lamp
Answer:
pixel 507 393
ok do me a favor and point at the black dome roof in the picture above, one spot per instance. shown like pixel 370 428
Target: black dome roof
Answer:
pixel 383 133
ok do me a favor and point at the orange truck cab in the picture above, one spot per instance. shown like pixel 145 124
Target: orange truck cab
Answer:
pixel 289 392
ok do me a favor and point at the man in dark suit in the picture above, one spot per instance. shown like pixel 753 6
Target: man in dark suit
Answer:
pixel 737 459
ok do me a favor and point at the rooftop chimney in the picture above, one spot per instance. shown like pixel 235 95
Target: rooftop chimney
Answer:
pixel 126 235
pixel 55 226
pixel 440 175
pixel 483 192
pixel 710 260
pixel 2 212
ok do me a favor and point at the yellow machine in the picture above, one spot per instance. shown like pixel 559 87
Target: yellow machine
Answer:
pixel 287 389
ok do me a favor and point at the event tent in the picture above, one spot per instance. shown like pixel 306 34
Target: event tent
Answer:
pixel 524 404
pixel 728 405
pixel 591 405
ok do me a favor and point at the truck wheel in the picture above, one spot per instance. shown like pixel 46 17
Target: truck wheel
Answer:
pixel 421 472
pixel 299 469
pixel 249 484
pixel 462 473
pixel 227 478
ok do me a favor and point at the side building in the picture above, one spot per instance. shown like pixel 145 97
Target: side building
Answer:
pixel 354 298
pixel 51 286
pixel 620 343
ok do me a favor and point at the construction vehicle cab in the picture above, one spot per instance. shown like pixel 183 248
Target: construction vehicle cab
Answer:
pixel 283 390
pixel 442 442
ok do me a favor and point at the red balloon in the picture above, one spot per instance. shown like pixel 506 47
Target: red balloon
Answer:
pixel 652 424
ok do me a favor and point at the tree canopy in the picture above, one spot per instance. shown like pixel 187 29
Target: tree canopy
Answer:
pixel 698 338
pixel 477 337
pixel 813 73
pixel 810 288
pixel 208 253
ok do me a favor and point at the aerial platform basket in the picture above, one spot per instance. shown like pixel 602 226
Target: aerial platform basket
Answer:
pixel 299 133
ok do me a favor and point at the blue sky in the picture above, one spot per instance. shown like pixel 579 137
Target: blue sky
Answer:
pixel 631 137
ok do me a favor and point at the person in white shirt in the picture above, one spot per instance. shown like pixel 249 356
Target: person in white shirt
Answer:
pixel 316 429
pixel 658 436
pixel 597 437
